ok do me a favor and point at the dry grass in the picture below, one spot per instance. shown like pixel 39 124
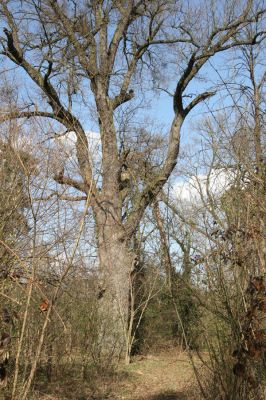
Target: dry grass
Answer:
pixel 167 376
pixel 164 376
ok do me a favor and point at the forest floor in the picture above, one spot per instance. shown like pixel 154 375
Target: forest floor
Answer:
pixel 164 376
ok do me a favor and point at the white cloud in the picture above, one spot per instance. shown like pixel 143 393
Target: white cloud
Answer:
pixel 196 187
pixel 66 143
pixel 69 140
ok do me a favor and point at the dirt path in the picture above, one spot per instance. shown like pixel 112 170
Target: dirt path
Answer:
pixel 163 377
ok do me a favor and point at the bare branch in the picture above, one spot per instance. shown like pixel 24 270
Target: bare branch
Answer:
pixel 194 64
pixel 201 97
pixel 62 115
pixel 88 62
pixel 122 98
pixel 29 114
pixel 61 197
pixel 65 180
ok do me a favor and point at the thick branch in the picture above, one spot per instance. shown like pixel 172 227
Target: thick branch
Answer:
pixel 127 15
pixel 61 197
pixel 140 50
pixel 65 180
pixel 152 190
pixel 28 114
pixel 15 54
pixel 62 115
pixel 178 100
pixel 122 98
pixel 201 97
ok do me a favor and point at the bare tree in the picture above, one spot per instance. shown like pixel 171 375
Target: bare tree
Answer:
pixel 77 50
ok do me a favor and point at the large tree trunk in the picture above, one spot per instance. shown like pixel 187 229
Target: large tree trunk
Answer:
pixel 115 261
pixel 115 258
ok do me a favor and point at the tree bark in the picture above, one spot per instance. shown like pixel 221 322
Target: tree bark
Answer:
pixel 115 261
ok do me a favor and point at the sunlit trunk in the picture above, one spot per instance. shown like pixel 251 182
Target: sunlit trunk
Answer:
pixel 115 262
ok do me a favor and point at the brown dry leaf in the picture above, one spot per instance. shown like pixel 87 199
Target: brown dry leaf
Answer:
pixel 44 305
